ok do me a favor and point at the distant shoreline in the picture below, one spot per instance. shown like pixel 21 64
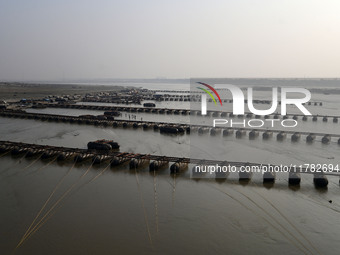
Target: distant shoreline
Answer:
pixel 34 90
pixel 17 91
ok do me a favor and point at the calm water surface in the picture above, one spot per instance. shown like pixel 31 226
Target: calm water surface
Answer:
pixel 123 211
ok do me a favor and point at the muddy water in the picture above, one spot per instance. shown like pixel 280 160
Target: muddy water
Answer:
pixel 122 211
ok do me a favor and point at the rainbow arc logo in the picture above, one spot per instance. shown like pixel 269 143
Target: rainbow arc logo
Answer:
pixel 209 93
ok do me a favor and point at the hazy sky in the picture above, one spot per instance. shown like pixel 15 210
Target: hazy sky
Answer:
pixel 81 39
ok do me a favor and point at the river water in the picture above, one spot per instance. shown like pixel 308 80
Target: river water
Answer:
pixel 122 211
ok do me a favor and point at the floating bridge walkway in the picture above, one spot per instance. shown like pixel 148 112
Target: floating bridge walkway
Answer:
pixel 324 118
pixel 137 160
pixel 175 128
